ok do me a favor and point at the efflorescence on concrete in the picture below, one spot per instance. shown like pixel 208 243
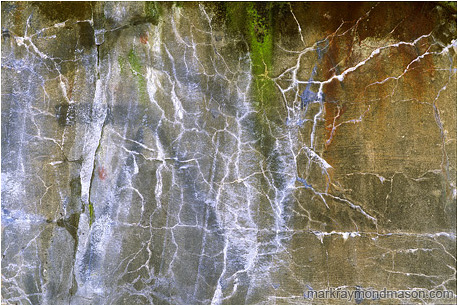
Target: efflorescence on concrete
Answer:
pixel 227 152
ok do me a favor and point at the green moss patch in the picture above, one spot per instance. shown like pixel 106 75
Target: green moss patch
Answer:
pixel 153 12
pixel 133 63
pixel 255 20
pixel 91 214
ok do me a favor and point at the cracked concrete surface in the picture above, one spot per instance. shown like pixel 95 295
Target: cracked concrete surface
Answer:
pixel 226 153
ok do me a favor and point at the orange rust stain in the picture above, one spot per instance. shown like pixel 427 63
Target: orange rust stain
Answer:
pixel 144 38
pixel 333 112
pixel 329 114
pixel 102 173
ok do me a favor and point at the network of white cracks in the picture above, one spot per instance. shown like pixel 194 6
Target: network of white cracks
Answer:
pixel 235 235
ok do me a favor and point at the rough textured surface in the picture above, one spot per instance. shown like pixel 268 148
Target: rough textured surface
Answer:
pixel 231 153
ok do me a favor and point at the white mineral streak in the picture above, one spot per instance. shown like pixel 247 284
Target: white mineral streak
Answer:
pixel 187 206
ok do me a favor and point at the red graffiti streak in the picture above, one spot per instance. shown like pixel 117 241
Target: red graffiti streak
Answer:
pixel 144 38
pixel 102 173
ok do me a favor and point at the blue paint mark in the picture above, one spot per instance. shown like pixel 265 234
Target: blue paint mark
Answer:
pixel 297 122
pixel 301 122
pixel 321 50
pixel 308 96
pixel 304 182
pixel 6 217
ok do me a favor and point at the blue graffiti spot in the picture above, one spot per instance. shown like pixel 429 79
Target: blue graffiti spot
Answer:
pixel 304 182
pixel 7 218
pixel 321 48
pixel 307 97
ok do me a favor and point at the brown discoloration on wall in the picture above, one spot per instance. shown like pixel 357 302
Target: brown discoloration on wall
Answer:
pixel 163 165
pixel 60 11
pixel 397 137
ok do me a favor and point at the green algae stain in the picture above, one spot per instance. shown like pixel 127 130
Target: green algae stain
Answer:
pixel 91 214
pixel 451 5
pixel 122 64
pixel 152 11
pixel 256 22
pixel 261 52
pixel 137 70
pixel 134 62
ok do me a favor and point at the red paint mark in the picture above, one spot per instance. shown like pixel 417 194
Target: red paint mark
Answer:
pixel 144 38
pixel 102 173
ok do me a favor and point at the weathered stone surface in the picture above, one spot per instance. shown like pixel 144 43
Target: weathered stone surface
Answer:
pixel 227 153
